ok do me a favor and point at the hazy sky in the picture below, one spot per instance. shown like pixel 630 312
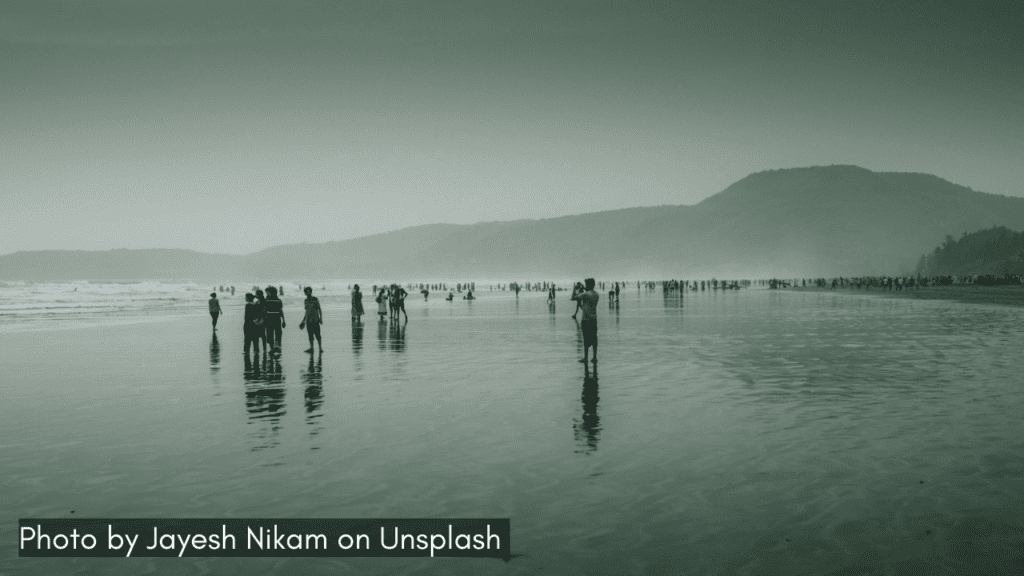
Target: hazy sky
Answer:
pixel 230 126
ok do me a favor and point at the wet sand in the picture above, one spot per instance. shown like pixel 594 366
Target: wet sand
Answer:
pixel 739 432
pixel 1002 295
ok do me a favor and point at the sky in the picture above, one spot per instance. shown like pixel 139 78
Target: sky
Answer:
pixel 230 126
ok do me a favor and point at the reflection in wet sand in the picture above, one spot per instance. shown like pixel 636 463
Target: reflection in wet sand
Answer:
pixel 313 380
pixel 587 427
pixel 264 399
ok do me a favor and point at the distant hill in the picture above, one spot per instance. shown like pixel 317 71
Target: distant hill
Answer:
pixel 816 221
pixel 124 264
pixel 996 251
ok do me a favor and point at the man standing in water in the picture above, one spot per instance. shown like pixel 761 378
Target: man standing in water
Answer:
pixel 588 303
pixel 215 310
pixel 274 310
pixel 400 295
pixel 249 327
pixel 312 320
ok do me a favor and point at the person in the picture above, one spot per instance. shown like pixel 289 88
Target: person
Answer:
pixel 261 320
pixel 312 320
pixel 576 290
pixel 392 295
pixel 400 295
pixel 551 293
pixel 450 297
pixel 274 309
pixel 425 293
pixel 249 328
pixel 588 303
pixel 617 290
pixel 357 304
pixel 215 310
pixel 469 296
pixel 382 304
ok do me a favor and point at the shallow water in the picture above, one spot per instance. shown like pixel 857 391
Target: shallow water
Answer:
pixel 741 432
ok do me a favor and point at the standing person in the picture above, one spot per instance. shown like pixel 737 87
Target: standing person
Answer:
pixel 551 293
pixel 400 295
pixel 576 290
pixel 357 304
pixel 261 320
pixel 382 304
pixel 588 302
pixel 617 291
pixel 215 310
pixel 249 328
pixel 275 319
pixel 312 320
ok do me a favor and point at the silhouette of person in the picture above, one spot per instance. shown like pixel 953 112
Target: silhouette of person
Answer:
pixel 249 328
pixel 357 304
pixel 312 320
pixel 588 303
pixel 275 322
pixel 400 295
pixel 261 321
pixel 215 310
pixel 382 304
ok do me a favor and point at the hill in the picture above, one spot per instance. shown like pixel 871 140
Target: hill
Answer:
pixel 816 221
pixel 995 252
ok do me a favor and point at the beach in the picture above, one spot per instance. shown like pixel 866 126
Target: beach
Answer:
pixel 1008 295
pixel 739 432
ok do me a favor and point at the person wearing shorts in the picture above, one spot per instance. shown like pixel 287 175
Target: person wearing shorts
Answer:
pixel 312 320
pixel 587 301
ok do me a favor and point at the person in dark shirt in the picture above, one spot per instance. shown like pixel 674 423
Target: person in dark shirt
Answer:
pixel 215 310
pixel 312 320
pixel 249 328
pixel 400 295
pixel 274 310
pixel 260 320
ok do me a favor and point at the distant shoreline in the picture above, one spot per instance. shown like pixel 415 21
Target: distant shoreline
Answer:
pixel 1000 295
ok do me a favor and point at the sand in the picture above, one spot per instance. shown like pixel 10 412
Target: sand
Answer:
pixel 1001 295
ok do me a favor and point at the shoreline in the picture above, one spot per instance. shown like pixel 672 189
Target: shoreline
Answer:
pixel 1008 295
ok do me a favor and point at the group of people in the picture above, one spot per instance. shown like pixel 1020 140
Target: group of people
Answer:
pixel 264 322
pixel 390 300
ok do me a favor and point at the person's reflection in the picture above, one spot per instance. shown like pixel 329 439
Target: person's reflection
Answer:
pixel 587 428
pixel 357 349
pixel 382 334
pixel 579 339
pixel 312 377
pixel 616 313
pixel 264 399
pixel 397 336
pixel 214 355
pixel 357 338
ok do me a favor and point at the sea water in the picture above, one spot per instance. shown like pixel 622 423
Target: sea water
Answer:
pixel 723 432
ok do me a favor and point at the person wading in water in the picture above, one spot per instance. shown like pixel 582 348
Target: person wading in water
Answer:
pixel 588 302
pixel 274 309
pixel 312 320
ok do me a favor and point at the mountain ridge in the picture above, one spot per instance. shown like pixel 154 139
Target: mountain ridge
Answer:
pixel 810 221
